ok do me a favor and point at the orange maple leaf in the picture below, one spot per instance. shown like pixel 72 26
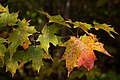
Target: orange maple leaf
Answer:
pixel 79 51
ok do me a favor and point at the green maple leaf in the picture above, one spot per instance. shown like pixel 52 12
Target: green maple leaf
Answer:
pixel 48 36
pixel 8 18
pixel 24 25
pixel 2 49
pixel 56 19
pixel 20 36
pixel 11 64
pixel 105 27
pixel 2 52
pixel 18 56
pixel 15 39
pixel 34 54
pixel 37 59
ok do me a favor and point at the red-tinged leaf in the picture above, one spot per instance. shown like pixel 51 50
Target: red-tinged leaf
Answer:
pixel 25 45
pixel 79 52
pixel 87 60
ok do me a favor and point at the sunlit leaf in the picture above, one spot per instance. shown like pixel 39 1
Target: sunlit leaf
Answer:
pixel 2 9
pixel 2 40
pixel 93 43
pixel 56 19
pixel 79 51
pixel 8 18
pixel 78 54
pixel 105 27
pixel 84 26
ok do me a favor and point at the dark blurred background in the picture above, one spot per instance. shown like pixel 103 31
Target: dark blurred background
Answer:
pixel 102 11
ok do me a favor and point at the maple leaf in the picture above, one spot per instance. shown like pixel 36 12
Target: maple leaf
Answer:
pixel 56 19
pixel 2 9
pixel 2 52
pixel 84 26
pixel 34 54
pixel 25 26
pixel 79 51
pixel 48 36
pixel 93 43
pixel 105 27
pixel 15 39
pixel 2 49
pixel 11 64
pixel 8 18
pixel 20 35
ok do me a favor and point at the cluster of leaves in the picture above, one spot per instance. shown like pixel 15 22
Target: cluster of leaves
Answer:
pixel 16 34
